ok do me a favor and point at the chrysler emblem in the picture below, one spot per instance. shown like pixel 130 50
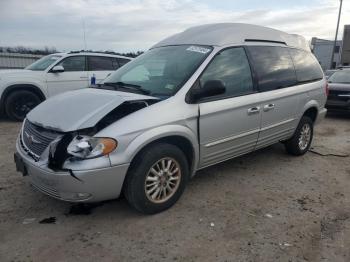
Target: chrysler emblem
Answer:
pixel 31 139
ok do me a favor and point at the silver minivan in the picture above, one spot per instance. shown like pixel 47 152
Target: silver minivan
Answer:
pixel 197 98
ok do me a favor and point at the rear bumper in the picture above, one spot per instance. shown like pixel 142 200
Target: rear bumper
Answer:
pixel 74 186
pixel 338 104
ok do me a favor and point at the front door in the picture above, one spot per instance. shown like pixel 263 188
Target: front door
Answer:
pixel 229 124
pixel 74 76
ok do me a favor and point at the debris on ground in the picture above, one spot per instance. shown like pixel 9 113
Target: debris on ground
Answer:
pixel 285 244
pixel 49 220
pixel 27 221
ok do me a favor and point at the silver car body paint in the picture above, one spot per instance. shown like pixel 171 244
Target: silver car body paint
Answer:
pixel 226 130
pixel 78 109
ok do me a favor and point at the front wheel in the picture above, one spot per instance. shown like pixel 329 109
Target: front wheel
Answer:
pixel 19 103
pixel 157 178
pixel 300 143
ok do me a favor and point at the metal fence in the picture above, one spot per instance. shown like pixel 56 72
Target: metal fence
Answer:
pixel 17 61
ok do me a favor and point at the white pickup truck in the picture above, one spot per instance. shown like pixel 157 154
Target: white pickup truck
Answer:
pixel 22 90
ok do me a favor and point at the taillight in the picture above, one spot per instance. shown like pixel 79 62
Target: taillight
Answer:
pixel 327 89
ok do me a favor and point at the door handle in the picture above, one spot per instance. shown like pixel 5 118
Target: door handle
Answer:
pixel 254 110
pixel 83 77
pixel 269 107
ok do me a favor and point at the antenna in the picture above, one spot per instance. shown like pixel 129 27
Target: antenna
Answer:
pixel 84 35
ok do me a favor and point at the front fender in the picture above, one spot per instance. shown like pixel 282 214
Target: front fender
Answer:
pixel 127 154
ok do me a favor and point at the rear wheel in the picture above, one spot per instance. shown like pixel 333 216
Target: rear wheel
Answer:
pixel 19 103
pixel 300 143
pixel 157 178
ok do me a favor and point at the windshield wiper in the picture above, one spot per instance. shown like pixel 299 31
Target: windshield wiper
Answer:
pixel 118 85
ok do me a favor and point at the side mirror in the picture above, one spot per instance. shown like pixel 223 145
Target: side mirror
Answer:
pixel 210 88
pixel 57 69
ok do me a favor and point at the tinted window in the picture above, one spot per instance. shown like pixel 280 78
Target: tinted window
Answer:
pixel 232 68
pixel 115 63
pixel 273 66
pixel 73 63
pixel 306 66
pixel 122 61
pixel 100 63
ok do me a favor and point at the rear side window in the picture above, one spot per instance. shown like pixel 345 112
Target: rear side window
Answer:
pixel 273 66
pixel 232 68
pixel 122 61
pixel 306 66
pixel 100 63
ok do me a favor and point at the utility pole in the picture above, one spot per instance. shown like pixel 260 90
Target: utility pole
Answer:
pixel 84 35
pixel 336 34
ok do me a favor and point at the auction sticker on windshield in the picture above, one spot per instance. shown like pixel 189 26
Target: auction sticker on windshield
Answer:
pixel 198 49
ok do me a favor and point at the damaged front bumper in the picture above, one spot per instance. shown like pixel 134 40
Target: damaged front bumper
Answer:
pixel 73 185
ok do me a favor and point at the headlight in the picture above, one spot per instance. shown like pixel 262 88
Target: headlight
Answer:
pixel 86 147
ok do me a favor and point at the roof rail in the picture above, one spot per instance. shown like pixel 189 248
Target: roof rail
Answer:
pixel 98 52
pixel 265 41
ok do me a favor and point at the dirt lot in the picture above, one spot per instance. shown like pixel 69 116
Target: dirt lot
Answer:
pixel 266 206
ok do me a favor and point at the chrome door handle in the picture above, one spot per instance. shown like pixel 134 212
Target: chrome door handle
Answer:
pixel 269 107
pixel 254 110
pixel 83 77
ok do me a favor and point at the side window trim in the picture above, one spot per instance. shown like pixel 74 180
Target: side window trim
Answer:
pixel 197 84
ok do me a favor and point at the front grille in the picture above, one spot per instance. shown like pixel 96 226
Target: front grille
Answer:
pixel 36 139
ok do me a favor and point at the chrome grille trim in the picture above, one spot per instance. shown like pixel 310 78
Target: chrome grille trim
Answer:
pixel 34 139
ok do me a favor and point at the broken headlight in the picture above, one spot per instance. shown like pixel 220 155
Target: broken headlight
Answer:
pixel 86 147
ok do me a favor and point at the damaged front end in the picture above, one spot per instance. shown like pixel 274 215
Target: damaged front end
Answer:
pixel 59 148
pixel 68 136
pixel 82 145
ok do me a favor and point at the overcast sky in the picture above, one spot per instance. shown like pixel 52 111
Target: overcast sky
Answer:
pixel 130 25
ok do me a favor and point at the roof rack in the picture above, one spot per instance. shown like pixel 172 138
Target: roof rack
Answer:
pixel 98 52
pixel 265 41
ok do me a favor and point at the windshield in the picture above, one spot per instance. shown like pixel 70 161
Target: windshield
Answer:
pixel 340 77
pixel 161 71
pixel 43 63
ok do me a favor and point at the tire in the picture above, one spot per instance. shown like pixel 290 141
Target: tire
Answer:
pixel 19 103
pixel 136 184
pixel 295 146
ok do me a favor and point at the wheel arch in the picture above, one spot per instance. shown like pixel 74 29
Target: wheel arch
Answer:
pixel 177 135
pixel 17 87
pixel 311 112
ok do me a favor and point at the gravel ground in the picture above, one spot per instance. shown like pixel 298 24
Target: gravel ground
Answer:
pixel 265 206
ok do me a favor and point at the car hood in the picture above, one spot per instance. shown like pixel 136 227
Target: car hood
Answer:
pixel 18 73
pixel 339 86
pixel 79 109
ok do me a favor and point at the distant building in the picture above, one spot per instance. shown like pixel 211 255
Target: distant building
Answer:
pixel 322 49
pixel 17 61
pixel 345 53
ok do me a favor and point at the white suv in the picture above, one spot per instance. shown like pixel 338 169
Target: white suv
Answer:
pixel 22 90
